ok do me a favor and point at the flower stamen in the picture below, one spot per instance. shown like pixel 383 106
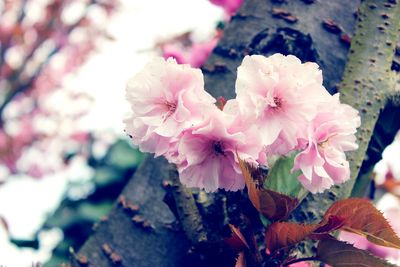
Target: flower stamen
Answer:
pixel 277 103
pixel 218 148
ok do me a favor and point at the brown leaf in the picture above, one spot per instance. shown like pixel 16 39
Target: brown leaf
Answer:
pixel 361 217
pixel 339 254
pixel 237 240
pixel 273 205
pixel 241 260
pixel 326 226
pixel 281 235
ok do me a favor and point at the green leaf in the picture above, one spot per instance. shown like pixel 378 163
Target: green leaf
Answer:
pixel 122 155
pixel 265 221
pixel 95 211
pixel 106 176
pixel 281 179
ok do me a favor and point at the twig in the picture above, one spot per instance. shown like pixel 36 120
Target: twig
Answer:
pixel 189 215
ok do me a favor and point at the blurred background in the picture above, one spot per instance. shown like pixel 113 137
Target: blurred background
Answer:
pixel 64 64
pixel 64 157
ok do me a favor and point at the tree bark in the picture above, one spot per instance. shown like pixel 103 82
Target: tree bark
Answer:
pixel 318 32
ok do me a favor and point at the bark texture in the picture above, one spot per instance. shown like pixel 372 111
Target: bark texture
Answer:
pixel 313 31
pixel 368 78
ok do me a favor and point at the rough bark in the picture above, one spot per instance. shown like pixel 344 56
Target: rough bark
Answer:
pixel 367 82
pixel 254 30
pixel 368 78
pixel 162 244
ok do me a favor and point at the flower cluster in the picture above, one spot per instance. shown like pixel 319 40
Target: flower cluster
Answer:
pixel 38 51
pixel 281 108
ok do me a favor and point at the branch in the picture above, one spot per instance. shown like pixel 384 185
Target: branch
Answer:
pixel 188 213
pixel 18 87
pixel 164 245
pixel 368 78
pixel 252 31
pixel 366 81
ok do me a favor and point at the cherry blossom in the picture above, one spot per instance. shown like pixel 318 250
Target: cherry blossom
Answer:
pixel 165 99
pixel 281 108
pixel 195 54
pixel 230 6
pixel 331 133
pixel 38 52
pixel 210 148
pixel 282 94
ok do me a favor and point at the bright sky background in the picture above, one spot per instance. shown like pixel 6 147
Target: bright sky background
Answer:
pixel 136 27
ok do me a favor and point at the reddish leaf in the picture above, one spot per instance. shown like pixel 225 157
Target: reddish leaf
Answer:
pixel 339 254
pixel 361 217
pixel 281 235
pixel 273 205
pixel 325 227
pixel 241 260
pixel 237 240
pixel 354 215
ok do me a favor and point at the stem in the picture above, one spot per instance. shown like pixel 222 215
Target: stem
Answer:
pixel 15 76
pixel 25 86
pixel 300 260
pixel 189 215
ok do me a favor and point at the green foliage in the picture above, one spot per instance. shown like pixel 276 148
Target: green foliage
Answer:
pixel 282 180
pixel 271 204
pixel 355 215
pixel 122 156
pixel 77 217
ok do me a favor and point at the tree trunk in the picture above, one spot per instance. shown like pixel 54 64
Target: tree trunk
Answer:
pixel 313 31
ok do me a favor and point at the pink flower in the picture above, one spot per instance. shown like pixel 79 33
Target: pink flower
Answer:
pixel 209 150
pixel 282 94
pixel 331 133
pixel 195 54
pixel 142 136
pixel 177 51
pixel 201 51
pixel 165 99
pixel 230 6
pixel 281 107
